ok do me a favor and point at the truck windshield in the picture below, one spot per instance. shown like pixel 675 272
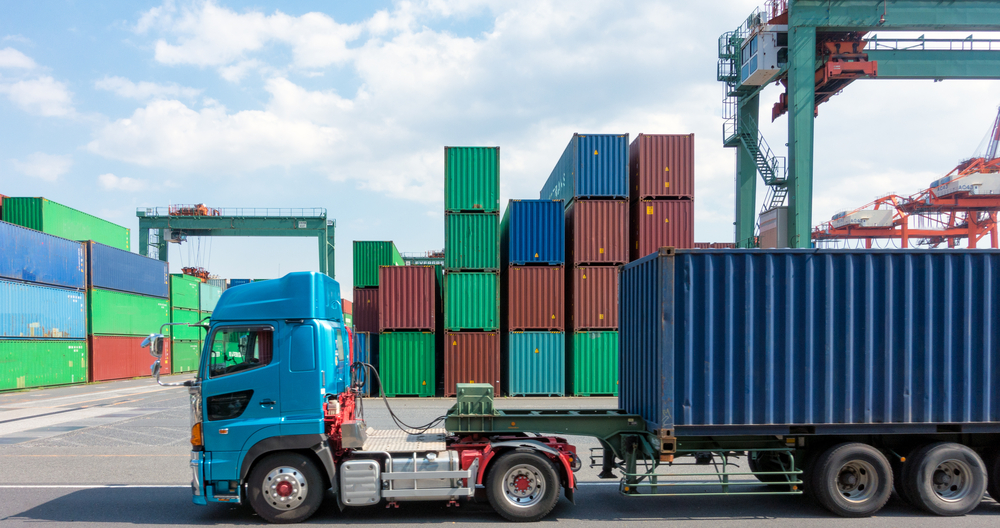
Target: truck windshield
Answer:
pixel 236 349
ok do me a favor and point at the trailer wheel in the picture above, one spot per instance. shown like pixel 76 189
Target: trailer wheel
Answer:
pixel 285 488
pixel 852 480
pixel 993 475
pixel 945 478
pixel 522 486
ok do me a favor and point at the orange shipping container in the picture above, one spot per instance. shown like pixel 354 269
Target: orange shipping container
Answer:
pixel 535 298
pixel 594 304
pixel 471 357
pixel 408 298
pixel 597 232
pixel 659 223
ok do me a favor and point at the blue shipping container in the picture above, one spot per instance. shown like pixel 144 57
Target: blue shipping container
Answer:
pixel 592 166
pixel 366 351
pixel 239 282
pixel 533 232
pixel 766 341
pixel 111 268
pixel 36 311
pixel 536 363
pixel 32 256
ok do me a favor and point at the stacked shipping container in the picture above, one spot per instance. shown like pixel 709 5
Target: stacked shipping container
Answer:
pixel 533 246
pixel 369 257
pixel 185 303
pixel 409 303
pixel 56 219
pixel 661 192
pixel 592 176
pixel 43 327
pixel 472 265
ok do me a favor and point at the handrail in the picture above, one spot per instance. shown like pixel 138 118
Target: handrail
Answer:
pixel 262 212
pixel 930 44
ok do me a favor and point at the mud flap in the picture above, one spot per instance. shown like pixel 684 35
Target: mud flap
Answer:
pixel 569 494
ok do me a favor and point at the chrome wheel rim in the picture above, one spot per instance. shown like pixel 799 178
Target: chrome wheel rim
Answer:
pixel 523 485
pixel 284 488
pixel 952 480
pixel 857 481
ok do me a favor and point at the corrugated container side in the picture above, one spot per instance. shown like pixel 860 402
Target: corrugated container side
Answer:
pixel 35 311
pixel 185 333
pixel 472 179
pixel 184 291
pixel 661 223
pixel 472 301
pixel 593 359
pixel 408 298
pixel 366 351
pixel 533 232
pixel 122 357
pixel 471 357
pixel 32 256
pixel 535 363
pixel 597 232
pixel 661 166
pixel 702 245
pixel 238 282
pixel 118 313
pixel 110 268
pixel 346 306
pixel 406 363
pixel 535 298
pixel 591 166
pixel 208 296
pixel 739 341
pixel 26 363
pixel 472 241
pixel 57 219
pixel 184 356
pixel 368 256
pixel 366 310
pixel 594 300
pixel 222 284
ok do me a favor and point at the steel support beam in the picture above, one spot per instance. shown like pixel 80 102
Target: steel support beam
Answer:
pixel 746 175
pixel 801 111
pixel 896 15
pixel 936 64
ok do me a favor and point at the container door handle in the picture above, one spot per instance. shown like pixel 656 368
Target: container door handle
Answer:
pixel 267 403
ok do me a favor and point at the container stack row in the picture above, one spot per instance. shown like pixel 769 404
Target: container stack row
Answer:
pixel 471 344
pixel 661 193
pixel 409 307
pixel 369 258
pixel 533 281
pixel 592 179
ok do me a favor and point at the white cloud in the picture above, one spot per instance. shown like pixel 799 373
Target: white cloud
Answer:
pixel 145 90
pixel 121 183
pixel 11 58
pixel 47 167
pixel 43 96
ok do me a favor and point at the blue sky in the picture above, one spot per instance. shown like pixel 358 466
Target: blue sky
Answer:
pixel 110 106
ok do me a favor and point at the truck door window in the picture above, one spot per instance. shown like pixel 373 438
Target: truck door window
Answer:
pixel 237 349
pixel 341 344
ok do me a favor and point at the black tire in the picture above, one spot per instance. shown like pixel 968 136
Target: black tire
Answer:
pixel 898 488
pixel 298 477
pixel 852 480
pixel 768 461
pixel 993 475
pixel 945 478
pixel 531 470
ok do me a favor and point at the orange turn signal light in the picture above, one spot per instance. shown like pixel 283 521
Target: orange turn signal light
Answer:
pixel 196 438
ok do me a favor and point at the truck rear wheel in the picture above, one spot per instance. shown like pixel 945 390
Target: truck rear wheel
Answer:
pixel 945 478
pixel 285 488
pixel 522 486
pixel 852 480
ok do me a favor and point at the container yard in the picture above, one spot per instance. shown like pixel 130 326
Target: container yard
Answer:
pixel 574 342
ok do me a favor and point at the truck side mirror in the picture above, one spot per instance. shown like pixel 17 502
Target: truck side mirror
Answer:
pixel 155 344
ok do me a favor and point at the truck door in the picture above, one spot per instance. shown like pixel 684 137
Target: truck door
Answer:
pixel 301 381
pixel 240 392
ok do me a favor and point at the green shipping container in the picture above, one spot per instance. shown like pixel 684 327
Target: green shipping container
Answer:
pixel 472 241
pixel 594 363
pixel 368 256
pixel 185 333
pixel 349 320
pixel 26 363
pixel 184 356
pixel 185 291
pixel 406 363
pixel 471 301
pixel 57 219
pixel 208 296
pixel 117 313
pixel 472 179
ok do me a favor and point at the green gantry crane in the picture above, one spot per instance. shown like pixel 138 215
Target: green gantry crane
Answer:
pixel 815 48
pixel 177 222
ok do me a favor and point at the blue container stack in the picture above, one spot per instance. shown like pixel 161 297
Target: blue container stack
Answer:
pixel 532 233
pixel 366 351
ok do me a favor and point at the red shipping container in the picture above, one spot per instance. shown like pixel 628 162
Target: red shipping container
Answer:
pixel 121 357
pixel 702 245
pixel 408 298
pixel 594 304
pixel 471 357
pixel 597 232
pixel 365 310
pixel 661 166
pixel 345 306
pixel 536 298
pixel 659 223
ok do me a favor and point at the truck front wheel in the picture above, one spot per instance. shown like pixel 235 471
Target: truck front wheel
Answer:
pixel 852 480
pixel 285 488
pixel 522 486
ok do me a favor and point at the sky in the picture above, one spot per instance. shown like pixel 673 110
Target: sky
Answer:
pixel 112 106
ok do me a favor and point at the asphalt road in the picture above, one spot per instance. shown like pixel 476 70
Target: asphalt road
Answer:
pixel 116 454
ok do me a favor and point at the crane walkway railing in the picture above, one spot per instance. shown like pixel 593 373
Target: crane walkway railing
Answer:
pixel 932 44
pixel 258 212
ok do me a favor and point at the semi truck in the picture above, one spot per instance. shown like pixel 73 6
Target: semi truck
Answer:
pixel 726 355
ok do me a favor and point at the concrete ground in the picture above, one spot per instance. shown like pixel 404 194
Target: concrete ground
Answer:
pixel 117 454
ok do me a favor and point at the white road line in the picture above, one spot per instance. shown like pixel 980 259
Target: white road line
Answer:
pixel 103 394
pixel 61 418
pixel 91 486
